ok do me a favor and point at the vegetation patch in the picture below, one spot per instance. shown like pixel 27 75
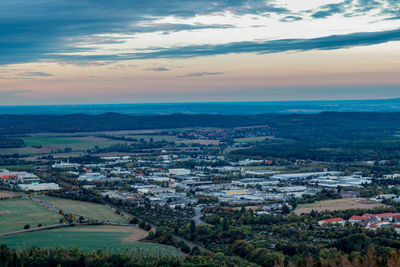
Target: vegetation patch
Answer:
pixel 338 204
pixel 15 214
pixel 89 210
pixel 253 139
pixel 90 237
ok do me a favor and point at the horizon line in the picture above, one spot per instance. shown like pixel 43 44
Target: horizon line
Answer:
pixel 202 102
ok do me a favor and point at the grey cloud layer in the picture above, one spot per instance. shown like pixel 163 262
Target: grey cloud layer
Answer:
pixel 322 43
pixel 36 30
pixel 31 30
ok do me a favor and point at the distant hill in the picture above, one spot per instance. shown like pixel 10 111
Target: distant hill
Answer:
pixel 22 124
pixel 217 108
pixel 294 126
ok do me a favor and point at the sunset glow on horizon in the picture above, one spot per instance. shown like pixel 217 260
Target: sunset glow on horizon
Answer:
pixel 76 52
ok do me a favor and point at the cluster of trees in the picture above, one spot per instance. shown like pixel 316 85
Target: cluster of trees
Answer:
pixel 141 223
pixel 74 257
pixel 11 143
pixel 163 236
pixel 20 124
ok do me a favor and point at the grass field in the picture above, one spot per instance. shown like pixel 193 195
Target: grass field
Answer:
pixel 156 138
pixel 50 141
pixel 259 168
pixel 16 213
pixel 199 141
pixel 17 167
pixel 87 209
pixel 252 139
pixel 90 237
pixel 338 204
pixel 45 144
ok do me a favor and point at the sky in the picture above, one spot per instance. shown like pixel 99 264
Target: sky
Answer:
pixel 131 51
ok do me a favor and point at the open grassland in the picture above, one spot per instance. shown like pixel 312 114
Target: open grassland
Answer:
pixel 49 141
pixel 46 144
pixel 253 139
pixel 18 167
pixel 89 210
pixel 205 142
pixel 338 204
pixel 156 138
pixel 90 237
pixel 16 213
pixel 260 168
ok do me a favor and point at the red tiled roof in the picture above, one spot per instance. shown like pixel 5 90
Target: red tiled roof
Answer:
pixel 369 215
pixel 360 218
pixel 333 220
pixel 373 225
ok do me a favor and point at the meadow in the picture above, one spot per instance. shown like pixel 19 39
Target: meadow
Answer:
pixel 40 144
pixel 110 238
pixel 89 210
pixel 16 213
pixel 338 204
pixel 18 167
pixel 156 138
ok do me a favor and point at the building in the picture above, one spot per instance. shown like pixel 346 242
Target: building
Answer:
pixel 92 176
pixel 39 187
pixel 23 177
pixel 179 171
pixel 301 176
pixel 358 219
pixel 65 165
pixel 332 221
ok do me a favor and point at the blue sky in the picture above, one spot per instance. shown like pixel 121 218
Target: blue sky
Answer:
pixel 70 51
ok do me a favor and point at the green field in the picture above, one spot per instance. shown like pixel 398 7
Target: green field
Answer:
pixel 50 141
pixel 17 167
pixel 47 144
pixel 90 237
pixel 87 209
pixel 156 138
pixel 253 139
pixel 258 168
pixel 16 213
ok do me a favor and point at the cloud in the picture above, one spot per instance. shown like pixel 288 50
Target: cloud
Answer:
pixel 174 27
pixel 34 74
pixel 15 92
pixel 33 30
pixel 331 42
pixel 201 74
pixel 291 18
pixel 331 9
pixel 158 69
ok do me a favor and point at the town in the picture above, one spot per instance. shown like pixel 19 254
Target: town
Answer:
pixel 199 190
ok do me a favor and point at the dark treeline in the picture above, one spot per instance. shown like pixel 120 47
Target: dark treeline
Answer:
pixel 326 125
pixel 72 257
pixel 20 124
pixel 11 143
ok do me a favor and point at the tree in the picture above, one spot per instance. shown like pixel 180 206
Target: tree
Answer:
pixel 192 226
pixel 285 209
pixel 27 226
pixel 225 224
